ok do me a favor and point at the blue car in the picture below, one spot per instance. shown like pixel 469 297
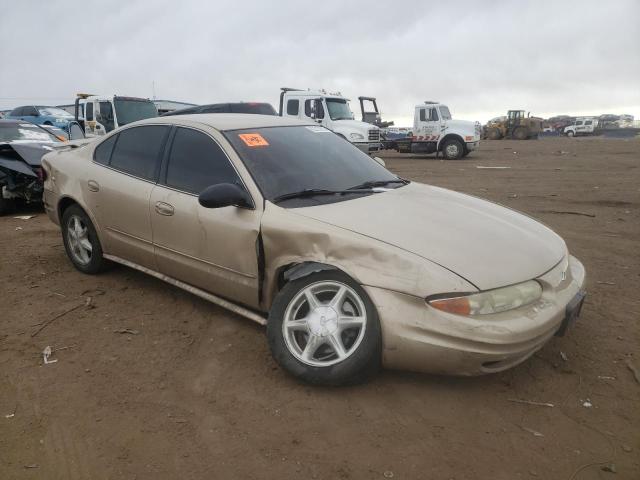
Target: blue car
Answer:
pixel 54 116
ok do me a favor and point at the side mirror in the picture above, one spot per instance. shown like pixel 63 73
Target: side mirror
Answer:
pixel 225 195
pixel 380 161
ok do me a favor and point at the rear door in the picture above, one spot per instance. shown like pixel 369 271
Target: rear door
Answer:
pixel 119 185
pixel 214 249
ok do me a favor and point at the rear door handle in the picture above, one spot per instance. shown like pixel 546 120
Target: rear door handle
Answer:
pixel 165 209
pixel 93 185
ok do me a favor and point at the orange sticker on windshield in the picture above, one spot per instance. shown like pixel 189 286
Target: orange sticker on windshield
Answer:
pixel 253 139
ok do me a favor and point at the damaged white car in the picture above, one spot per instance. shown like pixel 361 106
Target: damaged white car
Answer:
pixel 349 266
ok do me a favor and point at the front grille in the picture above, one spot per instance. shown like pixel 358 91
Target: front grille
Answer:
pixel 374 135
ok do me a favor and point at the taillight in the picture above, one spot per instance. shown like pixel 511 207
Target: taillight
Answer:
pixel 42 174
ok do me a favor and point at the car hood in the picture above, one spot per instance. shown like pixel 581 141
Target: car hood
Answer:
pixel 486 244
pixel 462 126
pixel 353 126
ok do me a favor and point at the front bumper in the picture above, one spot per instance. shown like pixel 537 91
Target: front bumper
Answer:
pixel 368 147
pixel 472 145
pixel 419 338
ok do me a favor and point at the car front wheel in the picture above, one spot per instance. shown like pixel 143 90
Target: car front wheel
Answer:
pixel 81 241
pixel 324 329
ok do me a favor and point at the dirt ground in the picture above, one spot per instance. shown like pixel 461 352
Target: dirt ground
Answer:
pixel 191 391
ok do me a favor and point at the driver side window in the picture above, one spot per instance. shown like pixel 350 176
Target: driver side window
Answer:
pixel 313 108
pixel 196 162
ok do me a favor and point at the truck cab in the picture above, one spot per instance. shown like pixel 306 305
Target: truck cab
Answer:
pixel 435 131
pixel 332 111
pixel 582 126
pixel 101 114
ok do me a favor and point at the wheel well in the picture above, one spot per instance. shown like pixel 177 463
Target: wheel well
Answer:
pixel 63 204
pixel 450 136
pixel 47 123
pixel 293 271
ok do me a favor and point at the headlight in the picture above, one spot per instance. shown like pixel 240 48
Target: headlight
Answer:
pixel 356 136
pixel 491 301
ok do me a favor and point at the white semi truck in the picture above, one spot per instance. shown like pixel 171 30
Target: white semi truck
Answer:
pixel 434 131
pixel 331 110
pixel 100 114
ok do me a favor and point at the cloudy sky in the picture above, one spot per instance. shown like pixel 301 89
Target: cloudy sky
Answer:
pixel 481 58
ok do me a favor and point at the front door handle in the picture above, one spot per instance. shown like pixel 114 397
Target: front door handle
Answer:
pixel 93 185
pixel 165 209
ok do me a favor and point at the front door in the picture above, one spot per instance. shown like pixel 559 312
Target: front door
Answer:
pixel 213 249
pixel 119 185
pixel 429 125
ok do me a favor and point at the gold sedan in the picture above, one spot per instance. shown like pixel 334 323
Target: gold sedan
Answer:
pixel 349 266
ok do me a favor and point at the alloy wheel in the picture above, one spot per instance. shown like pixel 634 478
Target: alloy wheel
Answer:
pixel 324 323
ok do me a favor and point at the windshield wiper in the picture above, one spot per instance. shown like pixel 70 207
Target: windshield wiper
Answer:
pixel 378 183
pixel 312 192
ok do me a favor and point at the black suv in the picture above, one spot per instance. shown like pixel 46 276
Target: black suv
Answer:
pixel 241 107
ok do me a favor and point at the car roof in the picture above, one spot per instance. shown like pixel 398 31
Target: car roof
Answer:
pixel 228 121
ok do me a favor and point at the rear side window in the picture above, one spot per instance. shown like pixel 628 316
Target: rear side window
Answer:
pixel 196 161
pixel 102 153
pixel 138 149
pixel 423 116
pixel 579 122
pixel 293 107
pixel 16 112
pixel 589 122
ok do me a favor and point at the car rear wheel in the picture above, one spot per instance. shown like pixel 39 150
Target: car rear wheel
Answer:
pixel 81 241
pixel 452 149
pixel 324 329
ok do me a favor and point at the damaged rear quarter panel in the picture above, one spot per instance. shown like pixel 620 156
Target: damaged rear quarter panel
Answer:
pixel 290 238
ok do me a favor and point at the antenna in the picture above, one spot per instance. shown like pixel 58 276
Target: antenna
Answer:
pixel 153 88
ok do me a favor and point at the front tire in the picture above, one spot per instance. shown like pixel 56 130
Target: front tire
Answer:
pixel 81 241
pixel 494 134
pixel 452 149
pixel 570 134
pixel 521 133
pixel 324 330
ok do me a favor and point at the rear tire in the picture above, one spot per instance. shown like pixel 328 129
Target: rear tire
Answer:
pixel 452 149
pixel 81 241
pixel 322 342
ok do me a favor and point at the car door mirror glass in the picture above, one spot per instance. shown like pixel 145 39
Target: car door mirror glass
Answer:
pixel 224 195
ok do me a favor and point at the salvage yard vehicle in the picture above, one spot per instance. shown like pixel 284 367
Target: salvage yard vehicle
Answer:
pixel 347 265
pixel 258 108
pixel 42 115
pixel 515 125
pixel 101 114
pixel 22 146
pixel 435 131
pixel 582 126
pixel 332 111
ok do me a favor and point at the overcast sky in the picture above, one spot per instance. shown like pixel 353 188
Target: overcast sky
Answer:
pixel 481 58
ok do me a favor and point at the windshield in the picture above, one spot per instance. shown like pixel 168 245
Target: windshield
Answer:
pixel 283 160
pixel 13 132
pixel 128 110
pixel 445 113
pixel 54 112
pixel 339 109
